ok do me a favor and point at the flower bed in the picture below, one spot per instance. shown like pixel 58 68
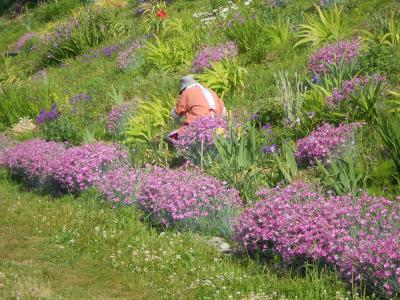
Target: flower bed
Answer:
pixel 33 160
pixel 187 199
pixel 324 141
pixel 359 235
pixel 207 55
pixel 82 167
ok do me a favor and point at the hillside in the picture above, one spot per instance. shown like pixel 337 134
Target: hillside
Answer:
pixel 302 178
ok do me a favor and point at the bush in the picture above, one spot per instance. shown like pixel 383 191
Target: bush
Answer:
pixel 63 129
pixel 189 200
pixel 82 167
pixel 359 235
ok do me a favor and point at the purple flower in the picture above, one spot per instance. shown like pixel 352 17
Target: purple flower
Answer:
pixel 46 116
pixel 125 57
pixel 26 37
pixel 199 133
pixel 350 88
pixel 358 235
pixel 324 141
pixel 207 55
pixel 116 118
pixel 79 98
pixel 271 149
pixel 333 54
pixel 179 196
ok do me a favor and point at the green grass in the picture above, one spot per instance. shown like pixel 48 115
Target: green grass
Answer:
pixel 68 248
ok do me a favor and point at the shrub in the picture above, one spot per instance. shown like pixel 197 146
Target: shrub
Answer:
pixel 119 185
pixel 213 54
pixel 224 77
pixel 32 160
pixel 359 235
pixel 62 129
pixel 327 27
pixel 81 167
pixel 186 199
pixel 197 138
pixel 324 141
pixel 333 54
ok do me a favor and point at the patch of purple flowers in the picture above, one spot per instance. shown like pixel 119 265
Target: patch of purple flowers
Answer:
pixel 116 118
pixel 175 197
pixel 79 98
pixel 350 88
pixel 359 235
pixel 62 33
pixel 46 116
pixel 333 54
pixel 324 141
pixel 82 167
pixel 125 57
pixel 33 160
pixel 200 134
pixel 25 38
pixel 119 185
pixel 207 55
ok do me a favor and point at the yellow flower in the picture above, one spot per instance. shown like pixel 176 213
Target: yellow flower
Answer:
pixel 220 131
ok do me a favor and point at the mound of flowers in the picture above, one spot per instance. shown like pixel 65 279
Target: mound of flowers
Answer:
pixel 333 54
pixel 119 185
pixel 82 167
pixel 349 88
pixel 359 235
pixel 116 118
pixel 198 136
pixel 33 160
pixel 209 54
pixel 324 141
pixel 186 198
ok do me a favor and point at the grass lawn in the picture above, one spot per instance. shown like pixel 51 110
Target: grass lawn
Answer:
pixel 66 248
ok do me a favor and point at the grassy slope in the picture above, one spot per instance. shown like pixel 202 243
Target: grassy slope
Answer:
pixel 78 249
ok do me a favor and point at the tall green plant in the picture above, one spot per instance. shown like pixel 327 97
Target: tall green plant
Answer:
pixel 343 176
pixel 238 160
pixel 225 77
pixel 327 27
pixel 285 161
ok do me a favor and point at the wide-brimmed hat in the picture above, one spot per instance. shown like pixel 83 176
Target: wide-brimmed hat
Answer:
pixel 185 81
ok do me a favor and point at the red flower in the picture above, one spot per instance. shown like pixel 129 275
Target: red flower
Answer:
pixel 162 13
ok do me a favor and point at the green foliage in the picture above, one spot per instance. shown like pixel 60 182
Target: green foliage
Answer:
pixel 285 161
pixel 381 59
pixel 251 36
pixel 388 128
pixel 225 77
pixel 280 36
pixel 9 72
pixel 387 33
pixel 63 129
pixel 151 117
pixel 238 160
pixel 94 27
pixel 343 176
pixel 22 100
pixel 327 27
pixel 170 55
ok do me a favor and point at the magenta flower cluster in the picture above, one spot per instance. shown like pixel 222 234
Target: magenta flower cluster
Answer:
pixel 73 169
pixel 180 196
pixel 82 167
pixel 324 141
pixel 349 88
pixel 119 185
pixel 359 235
pixel 116 118
pixel 208 54
pixel 33 159
pixel 200 131
pixel 333 54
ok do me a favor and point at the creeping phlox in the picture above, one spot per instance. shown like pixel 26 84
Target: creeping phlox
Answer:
pixel 324 141
pixel 182 196
pixel 359 235
pixel 333 54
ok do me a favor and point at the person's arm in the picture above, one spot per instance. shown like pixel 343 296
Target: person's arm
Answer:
pixel 180 109
pixel 224 112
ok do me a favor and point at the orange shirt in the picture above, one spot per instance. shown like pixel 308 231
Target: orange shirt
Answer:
pixel 193 104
